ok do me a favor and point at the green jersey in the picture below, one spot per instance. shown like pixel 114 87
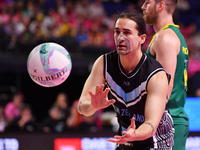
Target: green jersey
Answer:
pixel 178 96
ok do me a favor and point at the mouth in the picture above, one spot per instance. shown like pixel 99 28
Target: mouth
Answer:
pixel 121 46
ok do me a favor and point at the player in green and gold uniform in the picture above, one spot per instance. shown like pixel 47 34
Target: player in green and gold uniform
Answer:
pixel 168 46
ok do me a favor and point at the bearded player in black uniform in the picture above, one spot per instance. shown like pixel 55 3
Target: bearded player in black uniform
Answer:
pixel 136 85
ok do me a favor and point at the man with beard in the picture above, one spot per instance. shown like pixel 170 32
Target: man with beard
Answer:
pixel 135 84
pixel 168 47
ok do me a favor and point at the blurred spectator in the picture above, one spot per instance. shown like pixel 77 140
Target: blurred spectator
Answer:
pixel 65 28
pixel 25 24
pixel 96 44
pixel 76 121
pixel 58 115
pixel 55 122
pixel 183 5
pixel 193 68
pixel 25 122
pixel 5 17
pixel 62 103
pixel 197 38
pixel 82 8
pixel 88 124
pixel 12 109
pixel 107 22
pixel 189 30
pixel 60 6
pixel 82 36
pixel 91 123
pixel 75 118
pixel 5 40
pixel 96 9
pixel 25 41
pixel 108 39
pixel 3 121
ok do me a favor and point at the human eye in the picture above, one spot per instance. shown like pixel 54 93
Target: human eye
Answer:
pixel 147 2
pixel 127 33
pixel 117 32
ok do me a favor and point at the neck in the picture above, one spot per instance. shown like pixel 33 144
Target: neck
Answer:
pixel 162 21
pixel 130 61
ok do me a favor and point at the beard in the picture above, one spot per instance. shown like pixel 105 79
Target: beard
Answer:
pixel 126 50
pixel 151 18
pixel 123 52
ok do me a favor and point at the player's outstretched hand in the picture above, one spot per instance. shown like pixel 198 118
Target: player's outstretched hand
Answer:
pixel 100 98
pixel 128 135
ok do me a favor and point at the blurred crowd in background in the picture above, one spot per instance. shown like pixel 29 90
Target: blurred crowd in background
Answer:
pixel 82 27
pixel 17 116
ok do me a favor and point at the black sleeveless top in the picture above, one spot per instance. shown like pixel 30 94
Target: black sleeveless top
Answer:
pixel 130 90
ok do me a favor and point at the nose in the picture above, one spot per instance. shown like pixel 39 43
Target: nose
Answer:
pixel 120 37
pixel 143 7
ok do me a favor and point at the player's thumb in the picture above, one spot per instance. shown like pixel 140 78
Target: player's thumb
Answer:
pixel 110 102
pixel 133 123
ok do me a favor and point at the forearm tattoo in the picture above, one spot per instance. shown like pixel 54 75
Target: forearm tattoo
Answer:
pixel 151 127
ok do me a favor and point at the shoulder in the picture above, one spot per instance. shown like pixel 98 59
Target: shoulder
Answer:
pixel 105 57
pixel 98 65
pixel 99 60
pixel 151 66
pixel 166 40
pixel 166 35
pixel 158 78
pixel 111 56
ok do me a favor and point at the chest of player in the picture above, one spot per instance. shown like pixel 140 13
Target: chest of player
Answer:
pixel 125 111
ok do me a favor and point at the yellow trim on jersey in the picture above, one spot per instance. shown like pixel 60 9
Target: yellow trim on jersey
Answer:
pixel 166 26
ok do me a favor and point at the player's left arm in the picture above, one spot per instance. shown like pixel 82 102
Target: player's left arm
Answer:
pixel 166 47
pixel 154 108
pixel 155 105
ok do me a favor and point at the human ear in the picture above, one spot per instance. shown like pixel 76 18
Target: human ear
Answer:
pixel 160 6
pixel 143 38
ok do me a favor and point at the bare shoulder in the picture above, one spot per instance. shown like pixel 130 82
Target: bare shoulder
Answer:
pixel 99 60
pixel 98 64
pixel 158 80
pixel 160 75
pixel 168 34
pixel 167 39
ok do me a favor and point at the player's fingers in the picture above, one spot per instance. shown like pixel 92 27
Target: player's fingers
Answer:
pixel 110 102
pixel 113 140
pixel 126 134
pixel 97 89
pixel 116 141
pixel 121 139
pixel 101 88
pixel 118 137
pixel 106 91
pixel 133 122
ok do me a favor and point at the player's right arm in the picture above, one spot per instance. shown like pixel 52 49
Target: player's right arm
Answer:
pixel 93 96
